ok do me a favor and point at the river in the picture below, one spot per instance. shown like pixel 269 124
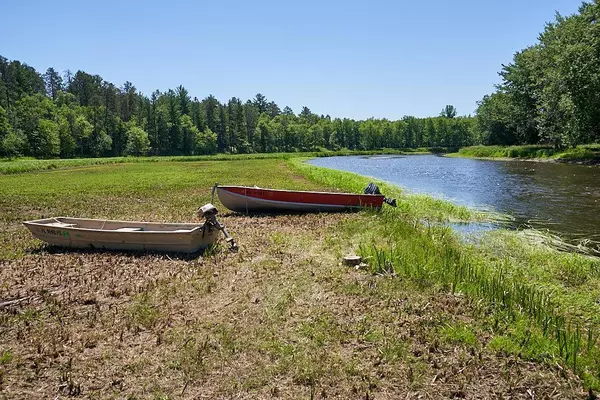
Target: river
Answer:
pixel 561 198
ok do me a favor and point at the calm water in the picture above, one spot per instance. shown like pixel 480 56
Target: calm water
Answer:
pixel 562 198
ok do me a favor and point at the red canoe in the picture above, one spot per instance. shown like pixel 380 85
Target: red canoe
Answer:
pixel 252 199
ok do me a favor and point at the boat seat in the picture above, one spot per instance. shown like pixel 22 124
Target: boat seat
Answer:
pixel 62 225
pixel 129 229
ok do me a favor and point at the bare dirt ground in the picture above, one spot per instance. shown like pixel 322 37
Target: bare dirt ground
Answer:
pixel 281 318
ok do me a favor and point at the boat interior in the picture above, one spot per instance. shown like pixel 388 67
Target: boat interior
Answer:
pixel 118 226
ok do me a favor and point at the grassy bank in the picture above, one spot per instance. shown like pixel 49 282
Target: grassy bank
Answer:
pixel 430 316
pixel 583 153
pixel 16 166
pixel 551 295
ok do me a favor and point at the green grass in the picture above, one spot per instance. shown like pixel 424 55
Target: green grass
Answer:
pixel 556 292
pixel 581 152
pixel 28 164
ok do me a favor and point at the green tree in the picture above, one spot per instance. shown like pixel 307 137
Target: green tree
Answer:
pixel 236 127
pixel 68 147
pixel 251 113
pixel 430 137
pixel 163 128
pixel 11 143
pixel 273 109
pixel 261 103
pixel 315 137
pixel 5 127
pixel 36 116
pixel 264 134
pixel 44 141
pixel 212 112
pixel 222 137
pixel 206 142
pixel 189 134
pixel 370 134
pixel 449 111
pixel 53 83
pixel 494 120
pixel 184 99
pixel 85 87
pixel 99 143
pixel 175 137
pixel 129 103
pixel 138 143
pixel 522 89
pixel 81 131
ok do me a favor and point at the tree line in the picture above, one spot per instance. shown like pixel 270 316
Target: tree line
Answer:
pixel 82 115
pixel 550 92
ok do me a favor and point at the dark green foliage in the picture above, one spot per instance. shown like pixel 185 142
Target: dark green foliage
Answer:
pixel 449 111
pixel 82 115
pixel 53 83
pixel 550 92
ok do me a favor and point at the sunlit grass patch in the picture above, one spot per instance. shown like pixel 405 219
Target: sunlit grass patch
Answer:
pixel 6 357
pixel 459 333
pixel 522 340
pixel 144 312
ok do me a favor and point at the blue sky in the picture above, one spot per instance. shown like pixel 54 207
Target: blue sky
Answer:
pixel 344 58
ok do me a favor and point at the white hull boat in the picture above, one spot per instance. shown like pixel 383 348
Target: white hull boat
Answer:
pixel 124 235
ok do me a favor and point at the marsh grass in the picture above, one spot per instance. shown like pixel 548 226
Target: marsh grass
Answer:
pixel 432 256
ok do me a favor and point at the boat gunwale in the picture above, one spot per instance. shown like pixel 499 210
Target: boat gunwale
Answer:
pixel 37 222
pixel 299 191
pixel 324 207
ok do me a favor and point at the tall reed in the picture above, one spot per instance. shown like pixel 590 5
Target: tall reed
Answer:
pixel 431 255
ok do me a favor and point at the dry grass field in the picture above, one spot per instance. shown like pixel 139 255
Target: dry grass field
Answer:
pixel 280 318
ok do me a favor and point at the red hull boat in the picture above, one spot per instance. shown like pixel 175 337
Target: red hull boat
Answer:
pixel 253 199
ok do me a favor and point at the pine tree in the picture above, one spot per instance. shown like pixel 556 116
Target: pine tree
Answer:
pixel 53 83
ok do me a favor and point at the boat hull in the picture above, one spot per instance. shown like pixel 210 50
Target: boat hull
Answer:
pixel 123 235
pixel 247 199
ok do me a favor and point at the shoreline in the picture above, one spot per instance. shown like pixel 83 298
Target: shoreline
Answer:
pixel 574 161
pixel 588 154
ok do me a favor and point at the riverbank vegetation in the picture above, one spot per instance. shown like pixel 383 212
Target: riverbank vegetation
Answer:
pixel 549 92
pixel 583 153
pixel 428 315
pixel 80 115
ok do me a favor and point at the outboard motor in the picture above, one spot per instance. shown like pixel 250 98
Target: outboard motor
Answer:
pixel 209 213
pixel 374 189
